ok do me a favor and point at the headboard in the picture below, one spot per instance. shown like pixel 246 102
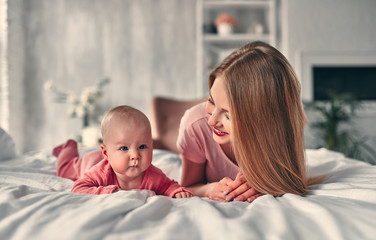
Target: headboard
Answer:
pixel 165 115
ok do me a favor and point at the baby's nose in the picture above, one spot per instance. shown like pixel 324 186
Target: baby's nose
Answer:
pixel 135 155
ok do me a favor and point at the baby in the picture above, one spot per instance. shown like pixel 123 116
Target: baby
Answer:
pixel 127 150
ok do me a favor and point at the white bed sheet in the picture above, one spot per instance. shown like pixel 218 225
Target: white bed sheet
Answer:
pixel 36 204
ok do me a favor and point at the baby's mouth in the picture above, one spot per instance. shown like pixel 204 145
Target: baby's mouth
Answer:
pixel 133 163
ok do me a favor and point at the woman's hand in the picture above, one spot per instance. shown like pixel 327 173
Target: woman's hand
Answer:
pixel 240 190
pixel 217 189
pixel 193 178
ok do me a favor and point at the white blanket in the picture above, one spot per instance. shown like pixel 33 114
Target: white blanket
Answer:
pixel 36 204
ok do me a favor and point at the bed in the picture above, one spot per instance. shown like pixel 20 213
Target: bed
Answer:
pixel 36 204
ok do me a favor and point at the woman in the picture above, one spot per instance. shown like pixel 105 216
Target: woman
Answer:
pixel 250 130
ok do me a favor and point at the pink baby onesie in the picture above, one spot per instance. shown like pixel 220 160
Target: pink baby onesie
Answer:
pixel 93 174
pixel 101 179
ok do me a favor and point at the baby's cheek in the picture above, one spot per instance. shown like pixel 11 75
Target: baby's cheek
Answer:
pixel 120 166
pixel 149 157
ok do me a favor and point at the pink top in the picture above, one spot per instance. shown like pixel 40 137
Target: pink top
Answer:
pixel 101 179
pixel 195 142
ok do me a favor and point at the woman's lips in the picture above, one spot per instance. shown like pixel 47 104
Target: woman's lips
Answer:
pixel 219 133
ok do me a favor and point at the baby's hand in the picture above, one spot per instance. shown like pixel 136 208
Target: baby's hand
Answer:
pixel 183 195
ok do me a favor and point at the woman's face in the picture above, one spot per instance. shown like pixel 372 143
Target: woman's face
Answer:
pixel 218 109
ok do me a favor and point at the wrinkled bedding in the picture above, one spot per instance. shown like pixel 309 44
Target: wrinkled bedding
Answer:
pixel 36 204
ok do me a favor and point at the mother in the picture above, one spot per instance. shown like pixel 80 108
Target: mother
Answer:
pixel 250 130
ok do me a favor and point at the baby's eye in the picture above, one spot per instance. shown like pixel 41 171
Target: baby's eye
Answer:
pixel 210 100
pixel 143 146
pixel 124 148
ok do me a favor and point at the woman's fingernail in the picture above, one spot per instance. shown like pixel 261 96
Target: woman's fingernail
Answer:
pixel 228 198
pixel 237 199
pixel 225 192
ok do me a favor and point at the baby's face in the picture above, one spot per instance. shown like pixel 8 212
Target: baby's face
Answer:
pixel 129 149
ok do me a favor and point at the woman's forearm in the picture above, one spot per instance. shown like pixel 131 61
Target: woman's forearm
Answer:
pixel 202 190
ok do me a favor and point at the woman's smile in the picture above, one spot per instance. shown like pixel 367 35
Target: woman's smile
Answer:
pixel 219 132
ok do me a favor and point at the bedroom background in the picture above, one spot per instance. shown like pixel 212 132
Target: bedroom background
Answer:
pixel 147 48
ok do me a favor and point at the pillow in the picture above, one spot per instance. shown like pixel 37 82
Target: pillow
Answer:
pixel 7 146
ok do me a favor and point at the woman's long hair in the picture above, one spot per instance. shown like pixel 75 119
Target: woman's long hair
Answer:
pixel 266 118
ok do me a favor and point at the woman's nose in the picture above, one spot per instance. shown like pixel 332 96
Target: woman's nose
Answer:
pixel 210 109
pixel 213 119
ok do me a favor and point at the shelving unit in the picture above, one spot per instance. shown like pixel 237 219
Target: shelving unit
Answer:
pixel 212 47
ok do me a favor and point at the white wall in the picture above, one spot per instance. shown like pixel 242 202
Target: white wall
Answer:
pixel 330 26
pixel 146 48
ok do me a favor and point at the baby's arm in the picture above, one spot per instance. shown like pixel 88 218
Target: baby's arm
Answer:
pixel 176 191
pixel 162 185
pixel 99 180
pixel 90 186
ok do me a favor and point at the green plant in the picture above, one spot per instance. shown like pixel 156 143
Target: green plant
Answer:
pixel 334 131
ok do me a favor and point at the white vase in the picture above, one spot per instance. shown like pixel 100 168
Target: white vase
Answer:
pixel 90 136
pixel 225 29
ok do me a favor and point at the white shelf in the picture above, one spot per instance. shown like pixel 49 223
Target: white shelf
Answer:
pixel 212 47
pixel 220 4
pixel 215 38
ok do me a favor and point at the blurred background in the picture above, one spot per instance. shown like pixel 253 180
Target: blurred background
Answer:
pixel 65 62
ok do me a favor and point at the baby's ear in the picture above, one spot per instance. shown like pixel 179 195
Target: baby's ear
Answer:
pixel 104 151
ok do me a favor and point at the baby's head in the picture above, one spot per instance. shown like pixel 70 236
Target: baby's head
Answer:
pixel 123 116
pixel 127 141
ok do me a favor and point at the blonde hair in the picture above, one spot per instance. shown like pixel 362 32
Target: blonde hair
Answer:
pixel 266 118
pixel 125 113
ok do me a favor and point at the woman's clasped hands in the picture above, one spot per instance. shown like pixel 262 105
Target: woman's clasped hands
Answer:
pixel 227 190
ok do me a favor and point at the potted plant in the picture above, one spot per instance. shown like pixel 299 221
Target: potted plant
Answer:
pixel 334 131
pixel 225 24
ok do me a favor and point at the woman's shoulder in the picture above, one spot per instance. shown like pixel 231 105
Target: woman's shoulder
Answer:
pixel 194 127
pixel 195 114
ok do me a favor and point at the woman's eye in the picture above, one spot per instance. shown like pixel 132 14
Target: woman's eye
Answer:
pixel 143 146
pixel 227 117
pixel 210 101
pixel 124 148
